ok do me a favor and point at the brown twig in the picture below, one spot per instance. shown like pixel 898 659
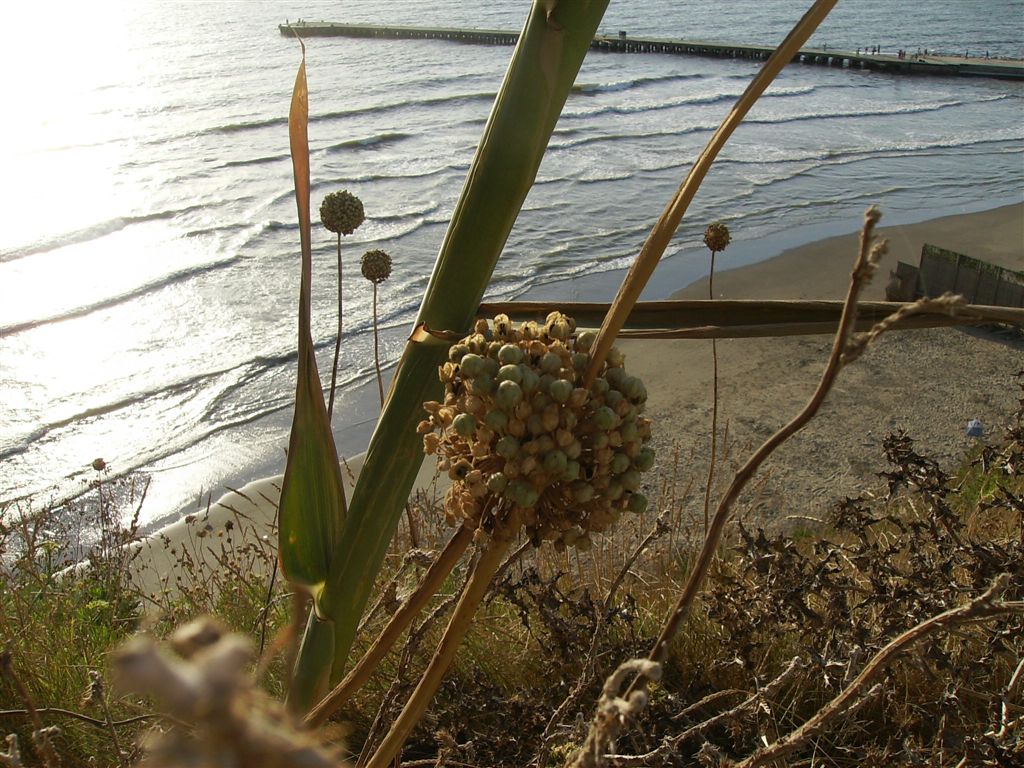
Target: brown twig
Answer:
pixel 643 267
pixel 92 720
pixel 983 607
pixel 714 403
pixel 337 341
pixel 863 268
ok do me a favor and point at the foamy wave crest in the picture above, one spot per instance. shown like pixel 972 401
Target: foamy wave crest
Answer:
pixel 112 301
pixel 93 232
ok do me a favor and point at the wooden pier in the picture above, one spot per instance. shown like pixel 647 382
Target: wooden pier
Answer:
pixel 622 43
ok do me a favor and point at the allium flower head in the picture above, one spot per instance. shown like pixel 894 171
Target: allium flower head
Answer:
pixel 526 444
pixel 376 266
pixel 716 237
pixel 341 212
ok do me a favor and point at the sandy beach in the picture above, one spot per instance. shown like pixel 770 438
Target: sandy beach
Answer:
pixel 926 382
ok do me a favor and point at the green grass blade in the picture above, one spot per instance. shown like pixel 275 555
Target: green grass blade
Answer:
pixel 312 496
pixel 544 65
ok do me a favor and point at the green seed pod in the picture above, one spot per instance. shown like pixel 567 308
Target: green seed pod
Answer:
pixel 523 494
pixel 620 463
pixel 560 390
pixel 572 470
pixel 464 424
pixel 510 354
pixel 614 490
pixel 510 372
pixel 457 352
pixel 637 503
pixel 644 460
pixel 471 365
pixel 482 385
pixel 585 340
pixel 509 393
pixel 497 482
pixel 630 480
pixel 583 543
pixel 600 387
pixel 573 449
pixel 613 398
pixel 604 418
pixel 628 430
pixel 615 357
pixel 496 420
pixel 616 377
pixel 535 424
pixel 507 447
pixel 580 361
pixel 555 463
pixel 530 380
pixel 551 363
pixel 599 441
pixel 582 492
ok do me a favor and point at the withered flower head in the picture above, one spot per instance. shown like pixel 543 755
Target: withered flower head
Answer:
pixel 716 237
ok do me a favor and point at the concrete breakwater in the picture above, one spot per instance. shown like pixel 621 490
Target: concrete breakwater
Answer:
pixel 907 63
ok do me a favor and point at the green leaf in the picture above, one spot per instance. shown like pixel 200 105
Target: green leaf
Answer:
pixel 544 65
pixel 312 506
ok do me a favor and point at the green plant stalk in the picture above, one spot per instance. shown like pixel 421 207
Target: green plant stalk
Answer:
pixel 544 65
pixel 337 340
pixel 439 570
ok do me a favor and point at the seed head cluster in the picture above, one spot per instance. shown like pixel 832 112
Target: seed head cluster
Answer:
pixel 341 212
pixel 375 266
pixel 523 441
pixel 717 237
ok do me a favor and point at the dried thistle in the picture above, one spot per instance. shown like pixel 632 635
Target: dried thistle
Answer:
pixel 341 213
pixel 209 687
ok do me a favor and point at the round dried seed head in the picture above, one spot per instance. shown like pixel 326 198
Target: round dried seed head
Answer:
pixel 376 266
pixel 716 236
pixel 534 448
pixel 341 212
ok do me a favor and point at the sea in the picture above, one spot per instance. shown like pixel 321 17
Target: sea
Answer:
pixel 149 251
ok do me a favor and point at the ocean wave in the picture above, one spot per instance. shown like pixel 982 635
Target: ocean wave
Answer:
pixel 916 109
pixel 373 109
pixel 112 301
pixel 255 161
pixel 366 142
pixel 588 89
pixel 93 232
